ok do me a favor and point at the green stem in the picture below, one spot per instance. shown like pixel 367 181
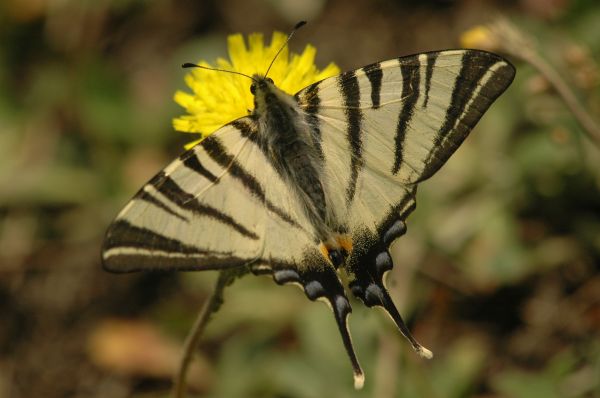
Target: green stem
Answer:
pixel 192 341
pixel 521 45
pixel 562 88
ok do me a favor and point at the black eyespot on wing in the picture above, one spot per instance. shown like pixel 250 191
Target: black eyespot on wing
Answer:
pixel 286 275
pixel 397 229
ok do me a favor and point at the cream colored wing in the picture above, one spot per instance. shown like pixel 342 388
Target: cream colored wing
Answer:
pixel 208 209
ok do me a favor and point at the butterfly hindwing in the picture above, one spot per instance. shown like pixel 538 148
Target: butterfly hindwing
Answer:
pixel 320 281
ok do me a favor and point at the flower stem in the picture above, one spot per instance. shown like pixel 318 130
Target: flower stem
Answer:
pixel 585 120
pixel 211 305
pixel 517 43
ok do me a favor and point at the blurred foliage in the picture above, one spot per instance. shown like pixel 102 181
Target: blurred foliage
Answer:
pixel 498 273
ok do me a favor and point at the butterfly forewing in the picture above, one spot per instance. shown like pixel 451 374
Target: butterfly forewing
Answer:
pixel 220 204
pixel 201 212
pixel 391 124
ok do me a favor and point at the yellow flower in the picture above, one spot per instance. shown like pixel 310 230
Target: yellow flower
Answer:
pixel 479 37
pixel 218 98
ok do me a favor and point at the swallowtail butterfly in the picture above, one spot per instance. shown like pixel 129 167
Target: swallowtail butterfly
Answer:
pixel 313 184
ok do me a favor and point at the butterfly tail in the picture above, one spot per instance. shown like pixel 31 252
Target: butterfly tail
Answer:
pixel 321 282
pixel 367 269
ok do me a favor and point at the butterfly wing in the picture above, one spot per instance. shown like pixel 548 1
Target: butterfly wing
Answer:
pixel 382 129
pixel 208 209
pixel 222 205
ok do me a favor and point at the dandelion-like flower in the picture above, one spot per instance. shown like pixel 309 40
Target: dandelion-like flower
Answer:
pixel 218 98
pixel 479 37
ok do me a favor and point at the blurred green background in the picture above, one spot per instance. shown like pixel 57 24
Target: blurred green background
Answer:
pixel 498 274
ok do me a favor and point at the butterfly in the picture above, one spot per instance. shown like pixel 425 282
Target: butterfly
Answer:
pixel 313 184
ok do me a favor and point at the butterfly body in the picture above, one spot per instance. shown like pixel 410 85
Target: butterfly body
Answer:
pixel 290 146
pixel 313 184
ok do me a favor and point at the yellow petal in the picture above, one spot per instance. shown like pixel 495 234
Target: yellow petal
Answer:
pixel 478 37
pixel 217 98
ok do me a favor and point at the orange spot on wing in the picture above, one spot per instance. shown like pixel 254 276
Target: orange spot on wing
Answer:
pixel 340 242
pixel 345 241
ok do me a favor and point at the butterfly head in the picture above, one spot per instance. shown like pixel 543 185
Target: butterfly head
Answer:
pixel 260 83
pixel 269 99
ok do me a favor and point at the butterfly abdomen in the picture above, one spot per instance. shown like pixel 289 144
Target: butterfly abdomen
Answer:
pixel 303 172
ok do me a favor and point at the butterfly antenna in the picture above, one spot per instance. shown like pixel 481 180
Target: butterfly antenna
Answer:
pixel 190 65
pixel 298 26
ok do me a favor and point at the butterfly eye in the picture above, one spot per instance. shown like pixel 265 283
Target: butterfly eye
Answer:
pixel 253 88
pixel 269 80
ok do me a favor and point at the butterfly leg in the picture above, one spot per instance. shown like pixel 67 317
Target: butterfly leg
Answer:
pixel 322 283
pixel 367 269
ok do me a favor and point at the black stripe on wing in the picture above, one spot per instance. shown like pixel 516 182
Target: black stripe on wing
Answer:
pixel 163 262
pixel 375 76
pixel 122 234
pixel 431 58
pixel 169 188
pixel 215 149
pixel 246 129
pixel 146 197
pixel 474 66
pixel 311 102
pixel 471 97
pixel 411 73
pixel 191 161
pixel 128 248
pixel 350 89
